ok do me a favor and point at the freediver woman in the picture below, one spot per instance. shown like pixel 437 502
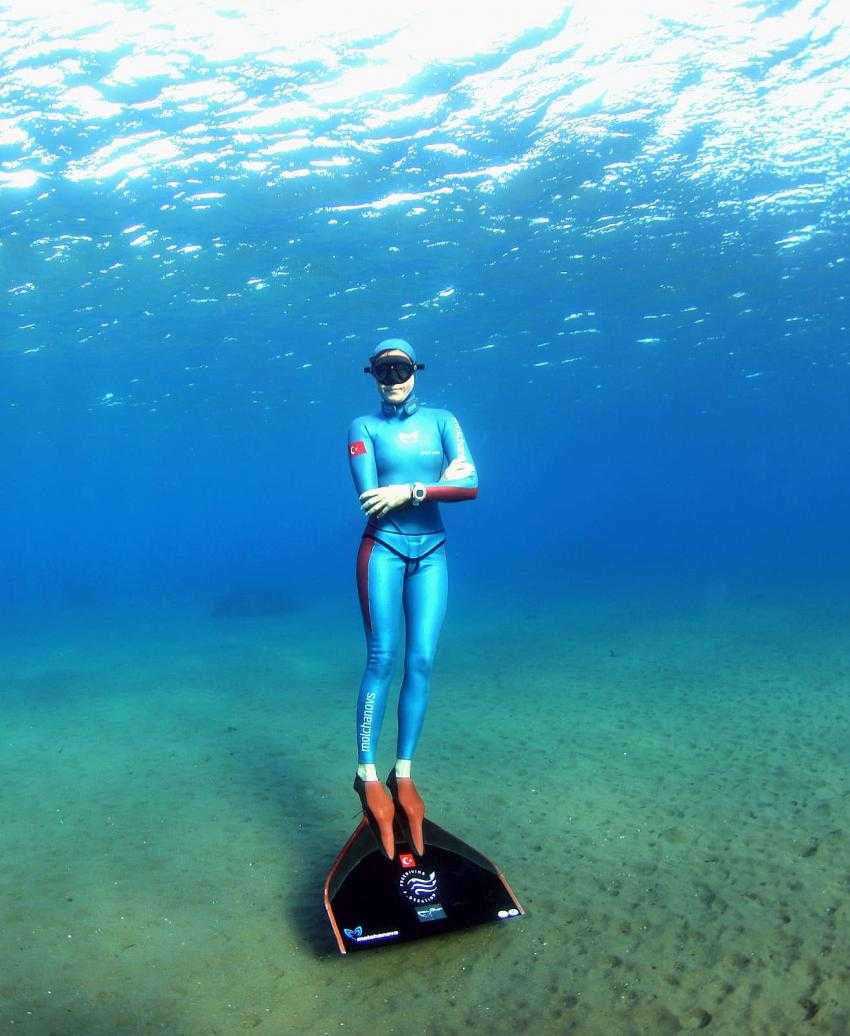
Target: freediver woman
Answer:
pixel 405 459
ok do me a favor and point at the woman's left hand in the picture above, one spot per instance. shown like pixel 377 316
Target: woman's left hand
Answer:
pixel 376 502
pixel 457 469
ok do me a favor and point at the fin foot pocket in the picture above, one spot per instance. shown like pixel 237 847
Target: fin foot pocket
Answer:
pixel 405 795
pixel 379 809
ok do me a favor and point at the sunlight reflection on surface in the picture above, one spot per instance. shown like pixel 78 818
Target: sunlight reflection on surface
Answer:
pixel 250 84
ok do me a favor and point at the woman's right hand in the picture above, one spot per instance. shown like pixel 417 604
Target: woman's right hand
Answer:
pixel 376 502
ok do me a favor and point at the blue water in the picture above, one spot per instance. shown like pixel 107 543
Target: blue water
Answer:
pixel 618 242
pixel 617 236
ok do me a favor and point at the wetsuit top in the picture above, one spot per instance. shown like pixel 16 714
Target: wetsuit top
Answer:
pixel 409 442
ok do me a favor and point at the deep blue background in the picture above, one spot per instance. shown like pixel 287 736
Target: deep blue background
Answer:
pixel 218 462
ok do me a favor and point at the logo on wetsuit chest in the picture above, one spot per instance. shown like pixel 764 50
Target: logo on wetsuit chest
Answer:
pixel 411 438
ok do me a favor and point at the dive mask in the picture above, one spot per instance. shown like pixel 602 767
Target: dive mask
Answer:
pixel 392 371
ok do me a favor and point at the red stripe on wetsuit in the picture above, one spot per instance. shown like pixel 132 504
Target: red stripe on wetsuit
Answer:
pixel 450 493
pixel 363 555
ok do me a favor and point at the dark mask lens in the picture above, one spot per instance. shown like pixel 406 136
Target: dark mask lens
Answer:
pixel 392 372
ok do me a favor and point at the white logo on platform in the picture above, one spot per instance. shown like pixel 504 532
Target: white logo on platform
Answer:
pixel 419 887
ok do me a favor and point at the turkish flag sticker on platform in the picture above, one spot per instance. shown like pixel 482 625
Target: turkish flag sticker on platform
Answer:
pixel 357 448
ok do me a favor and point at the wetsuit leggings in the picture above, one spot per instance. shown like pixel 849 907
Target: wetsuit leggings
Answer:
pixel 386 584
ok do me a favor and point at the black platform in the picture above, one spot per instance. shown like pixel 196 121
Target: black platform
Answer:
pixel 372 901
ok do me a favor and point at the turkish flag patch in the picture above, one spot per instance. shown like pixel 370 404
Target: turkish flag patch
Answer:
pixel 406 860
pixel 356 448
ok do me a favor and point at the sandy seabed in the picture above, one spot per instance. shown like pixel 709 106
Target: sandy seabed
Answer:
pixel 661 775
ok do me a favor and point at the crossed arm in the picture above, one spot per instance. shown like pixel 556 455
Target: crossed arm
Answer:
pixel 459 480
pixel 376 502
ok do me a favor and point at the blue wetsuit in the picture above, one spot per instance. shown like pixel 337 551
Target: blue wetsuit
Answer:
pixel 401 562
